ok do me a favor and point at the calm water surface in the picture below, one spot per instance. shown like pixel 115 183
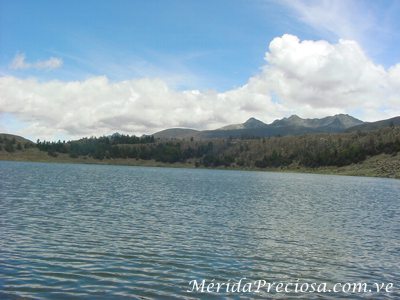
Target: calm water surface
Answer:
pixel 111 232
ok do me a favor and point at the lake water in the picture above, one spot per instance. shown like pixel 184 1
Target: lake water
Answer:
pixel 70 231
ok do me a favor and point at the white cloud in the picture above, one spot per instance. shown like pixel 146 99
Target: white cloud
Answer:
pixel 19 63
pixel 323 74
pixel 331 76
pixel 309 78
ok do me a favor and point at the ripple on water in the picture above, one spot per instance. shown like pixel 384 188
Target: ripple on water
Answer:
pixel 109 232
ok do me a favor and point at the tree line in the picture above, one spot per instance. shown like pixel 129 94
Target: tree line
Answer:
pixel 313 150
pixel 96 147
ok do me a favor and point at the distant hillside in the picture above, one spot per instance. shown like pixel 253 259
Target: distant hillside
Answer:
pixel 10 143
pixel 18 139
pixel 294 125
pixel 251 123
pixel 367 126
pixel 176 133
pixel 336 122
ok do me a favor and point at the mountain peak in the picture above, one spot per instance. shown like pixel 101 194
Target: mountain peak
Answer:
pixel 252 120
pixel 347 121
pixel 253 123
pixel 336 122
pixel 294 117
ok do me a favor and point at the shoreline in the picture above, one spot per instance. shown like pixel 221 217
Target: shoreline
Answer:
pixel 380 166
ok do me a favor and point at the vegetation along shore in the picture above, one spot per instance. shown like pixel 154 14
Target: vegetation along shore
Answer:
pixel 360 153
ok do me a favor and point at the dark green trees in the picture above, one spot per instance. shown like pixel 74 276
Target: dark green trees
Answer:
pixel 308 150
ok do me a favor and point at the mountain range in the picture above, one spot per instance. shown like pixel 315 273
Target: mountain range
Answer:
pixel 294 125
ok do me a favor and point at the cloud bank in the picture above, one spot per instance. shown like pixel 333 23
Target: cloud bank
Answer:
pixel 322 75
pixel 19 63
pixel 309 78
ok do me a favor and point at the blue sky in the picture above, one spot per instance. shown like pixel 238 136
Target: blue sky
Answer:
pixel 202 45
pixel 217 43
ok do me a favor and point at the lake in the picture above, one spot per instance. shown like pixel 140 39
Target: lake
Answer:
pixel 72 231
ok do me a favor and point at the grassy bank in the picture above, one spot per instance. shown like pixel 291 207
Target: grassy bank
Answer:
pixel 382 165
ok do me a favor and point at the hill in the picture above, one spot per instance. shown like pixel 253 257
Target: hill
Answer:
pixel 176 133
pixel 10 142
pixel 18 139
